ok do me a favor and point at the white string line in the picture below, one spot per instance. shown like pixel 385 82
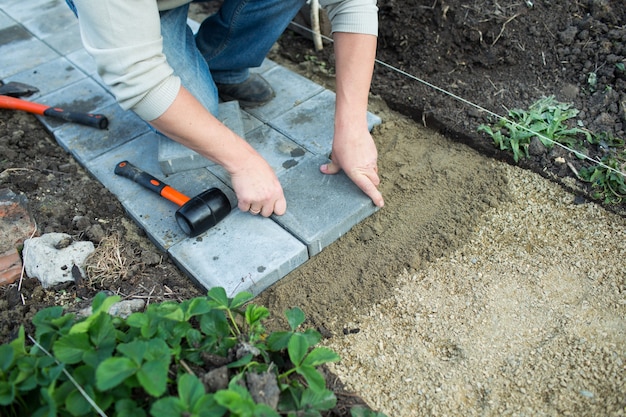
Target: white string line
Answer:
pixel 476 106
pixel 71 378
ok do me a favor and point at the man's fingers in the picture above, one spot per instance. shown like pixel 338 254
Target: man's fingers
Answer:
pixel 369 185
pixel 280 207
pixel 330 168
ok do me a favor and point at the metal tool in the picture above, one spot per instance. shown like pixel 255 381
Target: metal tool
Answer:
pixel 195 215
pixel 8 100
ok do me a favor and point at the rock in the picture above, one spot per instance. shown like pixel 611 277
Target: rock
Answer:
pixel 122 309
pixel 568 36
pixel 569 92
pixel 50 265
pixel 95 233
pixel 536 147
pixel 263 388
pixel 216 379
pixel 81 222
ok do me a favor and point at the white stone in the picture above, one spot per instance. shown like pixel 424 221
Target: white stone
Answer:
pixel 42 259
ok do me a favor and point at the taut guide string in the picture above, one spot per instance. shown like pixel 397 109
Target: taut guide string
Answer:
pixel 476 106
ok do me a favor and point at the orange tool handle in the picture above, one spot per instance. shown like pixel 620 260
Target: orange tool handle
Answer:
pixel 88 119
pixel 128 170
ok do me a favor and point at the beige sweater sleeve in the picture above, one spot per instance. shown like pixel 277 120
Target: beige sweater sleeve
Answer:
pixel 354 16
pixel 124 37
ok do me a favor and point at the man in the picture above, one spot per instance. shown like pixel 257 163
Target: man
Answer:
pixel 153 64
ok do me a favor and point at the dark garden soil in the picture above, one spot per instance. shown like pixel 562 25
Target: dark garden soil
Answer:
pixel 497 56
pixel 500 57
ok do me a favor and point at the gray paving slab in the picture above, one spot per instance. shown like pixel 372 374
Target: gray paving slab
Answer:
pixel 67 41
pixel 241 253
pixel 279 151
pixel 152 212
pixel 49 76
pixel 21 10
pixel 293 133
pixel 20 51
pixel 82 60
pixel 5 20
pixel 321 208
pixel 87 143
pixel 57 19
pixel 291 90
pixel 174 157
pixel 311 124
pixel 249 122
pixel 84 96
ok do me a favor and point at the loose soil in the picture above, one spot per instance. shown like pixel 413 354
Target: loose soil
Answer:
pixel 447 193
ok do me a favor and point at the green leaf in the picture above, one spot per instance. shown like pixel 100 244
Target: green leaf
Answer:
pixel 157 349
pixel 167 407
pixel 241 362
pixel 49 407
pixel 360 411
pixel 114 371
pixel 153 376
pixel 319 400
pixel 278 341
pixel 237 400
pixel 319 356
pixel 263 410
pixel 254 314
pixel 168 310
pixel 102 302
pixel 218 295
pixel 297 348
pixel 70 348
pixel 128 408
pixel 190 390
pixel 215 324
pixel 137 320
pixel 312 336
pixel 313 377
pixel 206 406
pixel 295 317
pixel 6 357
pixel 134 350
pixel 197 307
pixel 101 305
pixel 76 404
pixel 7 393
pixel 240 299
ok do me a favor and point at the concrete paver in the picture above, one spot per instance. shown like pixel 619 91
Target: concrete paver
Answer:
pixel 40 45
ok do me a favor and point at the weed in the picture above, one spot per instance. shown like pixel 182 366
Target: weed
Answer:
pixel 545 120
pixel 608 185
pixel 147 364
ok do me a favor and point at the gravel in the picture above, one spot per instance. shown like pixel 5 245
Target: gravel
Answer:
pixel 526 318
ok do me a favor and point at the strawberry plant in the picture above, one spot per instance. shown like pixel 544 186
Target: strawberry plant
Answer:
pixel 157 362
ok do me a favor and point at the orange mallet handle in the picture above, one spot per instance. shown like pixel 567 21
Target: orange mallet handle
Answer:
pixel 94 120
pixel 128 170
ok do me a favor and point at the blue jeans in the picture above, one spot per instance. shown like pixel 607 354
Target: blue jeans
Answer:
pixel 227 44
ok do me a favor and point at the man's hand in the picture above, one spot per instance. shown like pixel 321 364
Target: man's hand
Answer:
pixel 257 188
pixel 354 150
pixel 356 155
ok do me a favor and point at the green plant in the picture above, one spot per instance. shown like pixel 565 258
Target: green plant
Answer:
pixel 153 362
pixel 608 184
pixel 545 119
